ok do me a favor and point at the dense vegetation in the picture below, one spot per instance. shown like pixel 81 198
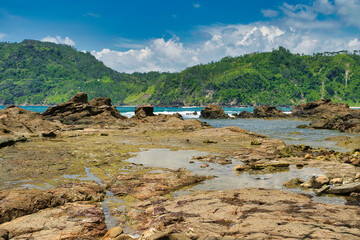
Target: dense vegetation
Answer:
pixel 33 72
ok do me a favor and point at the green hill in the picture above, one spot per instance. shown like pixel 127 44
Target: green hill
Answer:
pixel 34 72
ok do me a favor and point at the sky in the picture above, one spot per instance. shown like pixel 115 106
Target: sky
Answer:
pixel 171 35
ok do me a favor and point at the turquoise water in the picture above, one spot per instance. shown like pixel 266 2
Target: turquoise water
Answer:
pixel 283 129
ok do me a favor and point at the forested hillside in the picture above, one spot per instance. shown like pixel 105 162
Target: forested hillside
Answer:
pixel 34 72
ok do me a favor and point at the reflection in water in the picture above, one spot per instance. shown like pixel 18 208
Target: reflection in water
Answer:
pixel 226 179
pixel 285 129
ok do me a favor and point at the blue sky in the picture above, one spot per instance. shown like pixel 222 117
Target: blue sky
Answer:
pixel 171 35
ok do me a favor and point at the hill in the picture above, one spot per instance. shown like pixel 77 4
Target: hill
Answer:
pixel 34 72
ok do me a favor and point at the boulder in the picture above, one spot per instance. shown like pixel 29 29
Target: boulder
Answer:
pixel 244 114
pixel 266 111
pixel 79 111
pixel 144 111
pixel 213 111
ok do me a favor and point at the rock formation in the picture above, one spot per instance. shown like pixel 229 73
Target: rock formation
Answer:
pixel 16 121
pixel 213 111
pixel 79 111
pixel 329 115
pixel 144 111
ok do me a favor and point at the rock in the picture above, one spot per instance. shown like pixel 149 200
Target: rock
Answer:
pixel 15 121
pixel 322 180
pixel 239 168
pixel 323 190
pixel 4 142
pixel 209 141
pixel 19 202
pixel 244 114
pixel 205 165
pixel 336 181
pixel 79 97
pixel 48 134
pixel 144 111
pixel 266 111
pixel 213 111
pixel 259 166
pixel 70 221
pixel 160 236
pixel 113 233
pixel 178 236
pixel 4 234
pixel 256 142
pixel 250 213
pixel 345 189
pixel 308 156
pixel 357 176
pixel 328 115
pixel 293 183
pixel 79 111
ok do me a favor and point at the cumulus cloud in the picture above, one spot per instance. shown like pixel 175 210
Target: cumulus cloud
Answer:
pixel 298 28
pixel 59 40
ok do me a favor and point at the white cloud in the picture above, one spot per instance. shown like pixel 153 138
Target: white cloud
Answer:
pixel 269 13
pixel 349 10
pixel 59 40
pixel 196 5
pixel 297 28
pixel 2 35
pixel 90 14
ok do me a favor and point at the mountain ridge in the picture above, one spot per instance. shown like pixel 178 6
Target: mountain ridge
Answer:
pixel 35 72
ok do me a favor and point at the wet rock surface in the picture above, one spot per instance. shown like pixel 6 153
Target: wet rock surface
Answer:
pixel 145 186
pixel 79 111
pixel 144 111
pixel 213 111
pixel 250 214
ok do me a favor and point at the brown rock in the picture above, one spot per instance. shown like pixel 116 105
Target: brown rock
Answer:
pixel 48 134
pixel 113 233
pixel 213 111
pixel 345 189
pixel 144 111
pixel 71 221
pixel 336 181
pixel 266 111
pixel 322 180
pixel 205 165
pixel 79 111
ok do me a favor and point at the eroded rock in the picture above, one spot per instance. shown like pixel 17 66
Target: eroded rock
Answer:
pixel 213 111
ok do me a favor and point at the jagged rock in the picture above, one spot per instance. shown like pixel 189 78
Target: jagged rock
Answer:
pixel 293 183
pixel 329 115
pixel 79 111
pixel 265 111
pixel 144 111
pixel 213 111
pixel 79 97
pixel 113 233
pixel 244 114
pixel 48 134
pixel 16 121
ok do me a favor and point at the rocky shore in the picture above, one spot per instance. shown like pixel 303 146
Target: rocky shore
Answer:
pixel 67 174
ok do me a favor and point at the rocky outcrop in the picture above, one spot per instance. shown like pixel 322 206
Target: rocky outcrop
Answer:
pixel 248 214
pixel 16 121
pixel 144 111
pixel 213 111
pixel 266 111
pixel 79 111
pixel 20 202
pixel 71 221
pixel 329 115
